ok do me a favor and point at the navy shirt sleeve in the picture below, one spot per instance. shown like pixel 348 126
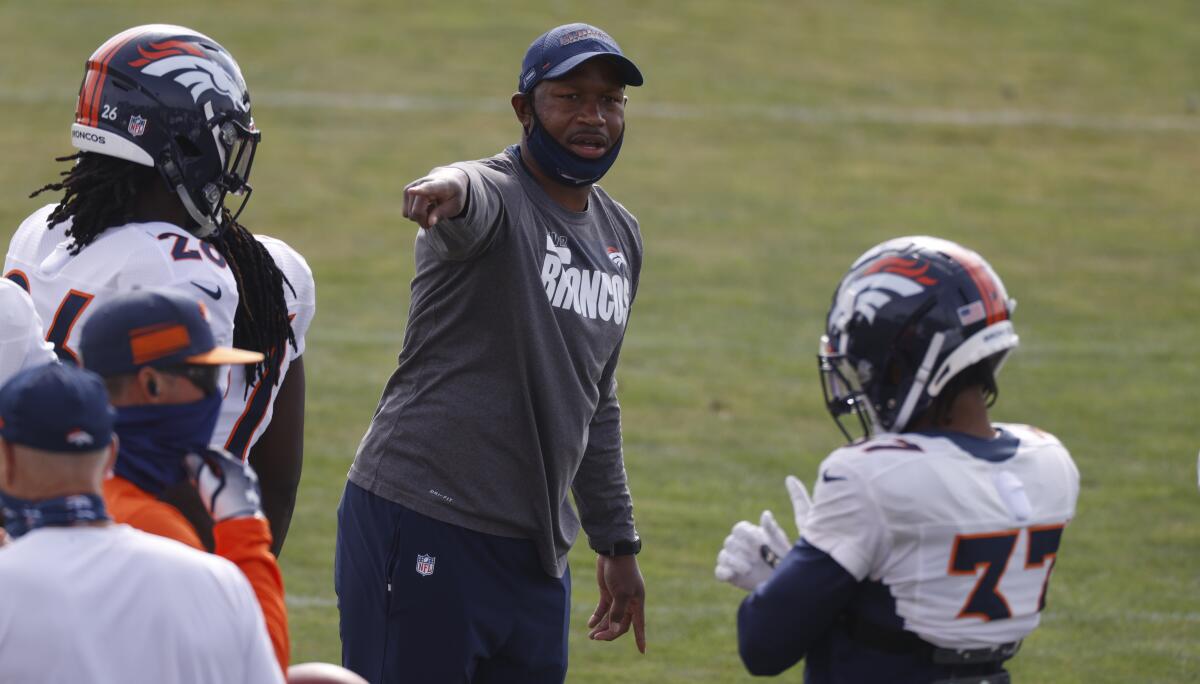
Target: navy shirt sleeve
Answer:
pixel 781 620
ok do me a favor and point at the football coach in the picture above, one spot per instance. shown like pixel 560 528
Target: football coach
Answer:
pixel 454 528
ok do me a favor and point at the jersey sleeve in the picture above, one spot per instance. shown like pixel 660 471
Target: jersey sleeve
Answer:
pixel 845 521
pixel 247 411
pixel 459 239
pixel 247 542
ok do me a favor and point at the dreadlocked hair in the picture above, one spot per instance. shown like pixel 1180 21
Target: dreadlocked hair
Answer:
pixel 261 323
pixel 980 375
pixel 100 191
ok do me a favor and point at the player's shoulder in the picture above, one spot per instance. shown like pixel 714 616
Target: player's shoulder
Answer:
pixel 885 446
pixel 14 301
pixel 294 267
pixel 29 240
pixel 18 317
pixel 1030 436
pixel 880 454
pixel 284 255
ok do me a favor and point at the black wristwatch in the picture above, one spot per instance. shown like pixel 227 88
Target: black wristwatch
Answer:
pixel 622 548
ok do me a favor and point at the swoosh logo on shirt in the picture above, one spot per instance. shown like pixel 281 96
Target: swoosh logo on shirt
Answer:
pixel 215 294
pixel 826 477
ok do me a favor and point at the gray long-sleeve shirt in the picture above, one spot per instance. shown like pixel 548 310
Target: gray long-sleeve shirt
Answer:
pixel 505 395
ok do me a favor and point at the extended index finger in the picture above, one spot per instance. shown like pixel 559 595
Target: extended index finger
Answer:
pixel 639 625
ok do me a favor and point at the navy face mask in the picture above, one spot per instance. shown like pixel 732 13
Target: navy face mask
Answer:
pixel 154 439
pixel 22 516
pixel 563 165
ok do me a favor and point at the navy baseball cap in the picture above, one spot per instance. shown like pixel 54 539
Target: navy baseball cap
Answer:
pixel 56 407
pixel 561 49
pixel 153 327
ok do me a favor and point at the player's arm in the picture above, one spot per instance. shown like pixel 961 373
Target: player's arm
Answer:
pixel 798 606
pixel 278 455
pixel 229 490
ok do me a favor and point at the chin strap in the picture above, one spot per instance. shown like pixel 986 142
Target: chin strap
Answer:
pixel 205 225
pixel 919 382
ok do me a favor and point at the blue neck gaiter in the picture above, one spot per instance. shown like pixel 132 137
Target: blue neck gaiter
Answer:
pixel 563 165
pixel 22 515
pixel 154 439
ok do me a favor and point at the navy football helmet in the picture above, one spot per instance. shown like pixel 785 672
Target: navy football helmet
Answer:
pixel 174 99
pixel 910 315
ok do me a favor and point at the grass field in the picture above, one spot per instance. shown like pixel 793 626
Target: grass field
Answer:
pixel 773 142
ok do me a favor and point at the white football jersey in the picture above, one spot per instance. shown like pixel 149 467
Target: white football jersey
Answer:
pixel 965 543
pixel 22 343
pixel 244 415
pixel 65 288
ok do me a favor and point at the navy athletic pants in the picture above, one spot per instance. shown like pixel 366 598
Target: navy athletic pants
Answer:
pixel 425 601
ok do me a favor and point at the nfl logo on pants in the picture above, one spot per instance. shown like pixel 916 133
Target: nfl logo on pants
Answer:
pixel 425 565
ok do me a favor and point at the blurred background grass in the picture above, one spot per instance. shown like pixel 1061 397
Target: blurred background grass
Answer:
pixel 773 143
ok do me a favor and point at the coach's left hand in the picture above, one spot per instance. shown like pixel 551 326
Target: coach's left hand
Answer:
pixel 622 600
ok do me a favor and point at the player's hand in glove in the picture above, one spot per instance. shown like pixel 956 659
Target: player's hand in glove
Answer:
pixel 800 502
pixel 750 553
pixel 227 486
pixel 739 561
pixel 441 194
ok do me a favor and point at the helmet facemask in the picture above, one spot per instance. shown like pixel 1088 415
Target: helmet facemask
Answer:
pixel 235 144
pixel 844 394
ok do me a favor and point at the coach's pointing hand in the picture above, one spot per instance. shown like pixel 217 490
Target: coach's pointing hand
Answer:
pixel 622 600
pixel 441 194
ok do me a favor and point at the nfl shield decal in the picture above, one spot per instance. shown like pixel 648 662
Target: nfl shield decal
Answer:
pixel 425 564
pixel 137 125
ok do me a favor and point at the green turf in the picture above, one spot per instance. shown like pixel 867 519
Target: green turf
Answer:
pixel 750 214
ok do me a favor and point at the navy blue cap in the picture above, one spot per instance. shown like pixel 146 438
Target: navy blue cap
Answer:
pixel 156 328
pixel 561 49
pixel 55 407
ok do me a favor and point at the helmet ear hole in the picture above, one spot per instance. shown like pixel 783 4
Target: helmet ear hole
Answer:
pixel 187 147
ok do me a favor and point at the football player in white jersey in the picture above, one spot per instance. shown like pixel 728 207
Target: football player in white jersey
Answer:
pixel 165 134
pixel 926 551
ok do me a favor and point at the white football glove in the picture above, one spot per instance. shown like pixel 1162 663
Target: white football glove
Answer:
pixel 751 551
pixel 227 486
pixel 748 557
pixel 800 502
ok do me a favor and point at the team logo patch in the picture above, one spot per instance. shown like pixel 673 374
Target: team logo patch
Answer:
pixel 137 125
pixel 615 256
pixel 78 437
pixel 425 564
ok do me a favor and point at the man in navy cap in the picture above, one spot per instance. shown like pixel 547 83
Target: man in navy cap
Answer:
pixel 453 532
pixel 160 362
pixel 89 601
